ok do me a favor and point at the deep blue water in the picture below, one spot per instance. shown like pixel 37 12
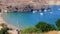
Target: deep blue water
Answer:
pixel 31 19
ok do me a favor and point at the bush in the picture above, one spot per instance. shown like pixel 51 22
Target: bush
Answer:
pixel 58 24
pixel 30 30
pixel 4 29
pixel 44 27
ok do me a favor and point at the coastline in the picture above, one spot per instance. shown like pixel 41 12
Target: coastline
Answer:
pixel 1 19
pixel 8 25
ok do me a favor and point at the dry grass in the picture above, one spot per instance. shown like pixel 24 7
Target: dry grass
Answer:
pixel 50 32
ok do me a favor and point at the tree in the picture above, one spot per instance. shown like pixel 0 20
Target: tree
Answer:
pixel 58 24
pixel 30 30
pixel 44 27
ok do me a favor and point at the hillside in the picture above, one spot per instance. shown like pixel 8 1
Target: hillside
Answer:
pixel 22 4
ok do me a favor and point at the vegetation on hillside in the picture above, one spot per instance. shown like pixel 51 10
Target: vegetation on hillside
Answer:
pixel 40 27
pixel 4 29
pixel 45 27
pixel 58 24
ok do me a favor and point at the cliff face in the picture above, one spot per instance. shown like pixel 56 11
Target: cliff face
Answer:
pixel 21 4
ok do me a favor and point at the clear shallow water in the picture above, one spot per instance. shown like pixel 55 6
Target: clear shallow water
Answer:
pixel 29 19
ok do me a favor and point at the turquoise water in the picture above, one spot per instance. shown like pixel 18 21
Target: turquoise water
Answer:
pixel 31 19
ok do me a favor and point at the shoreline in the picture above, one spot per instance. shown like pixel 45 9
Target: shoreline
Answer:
pixel 8 25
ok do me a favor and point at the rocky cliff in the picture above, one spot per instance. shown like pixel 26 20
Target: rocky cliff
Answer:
pixel 26 5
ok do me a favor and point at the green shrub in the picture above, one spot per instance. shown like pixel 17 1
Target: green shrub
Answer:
pixel 30 30
pixel 3 30
pixel 58 24
pixel 45 27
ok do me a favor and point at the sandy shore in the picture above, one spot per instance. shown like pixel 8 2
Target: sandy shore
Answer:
pixel 8 25
pixel 1 20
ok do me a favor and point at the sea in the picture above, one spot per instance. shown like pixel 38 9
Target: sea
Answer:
pixel 30 19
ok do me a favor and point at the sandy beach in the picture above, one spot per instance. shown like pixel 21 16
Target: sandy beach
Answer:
pixel 1 19
pixel 8 25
